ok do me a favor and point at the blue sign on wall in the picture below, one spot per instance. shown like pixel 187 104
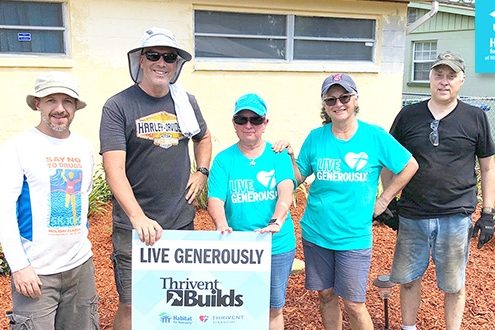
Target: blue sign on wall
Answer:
pixel 23 36
pixel 485 36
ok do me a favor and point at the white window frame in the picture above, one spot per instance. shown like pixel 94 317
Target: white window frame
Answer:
pixel 35 59
pixel 289 64
pixel 415 61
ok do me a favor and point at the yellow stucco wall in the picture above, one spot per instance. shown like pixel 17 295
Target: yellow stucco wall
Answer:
pixel 102 31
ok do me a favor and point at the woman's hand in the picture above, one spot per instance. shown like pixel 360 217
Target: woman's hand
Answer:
pixel 280 145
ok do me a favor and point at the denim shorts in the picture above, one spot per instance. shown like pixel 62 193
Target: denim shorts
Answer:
pixel 345 271
pixel 279 279
pixel 447 240
pixel 68 301
pixel 122 261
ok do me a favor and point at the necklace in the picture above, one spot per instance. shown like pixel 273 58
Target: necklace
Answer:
pixel 252 161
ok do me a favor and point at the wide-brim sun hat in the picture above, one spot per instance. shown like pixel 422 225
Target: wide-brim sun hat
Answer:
pixel 156 37
pixel 55 82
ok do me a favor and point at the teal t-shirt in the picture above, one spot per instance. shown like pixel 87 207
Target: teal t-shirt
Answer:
pixel 342 197
pixel 249 190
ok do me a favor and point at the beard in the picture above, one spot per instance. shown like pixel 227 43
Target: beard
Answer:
pixel 56 127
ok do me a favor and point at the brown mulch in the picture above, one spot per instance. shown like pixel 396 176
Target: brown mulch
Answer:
pixel 301 311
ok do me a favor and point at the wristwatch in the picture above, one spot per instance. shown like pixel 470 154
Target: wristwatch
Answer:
pixel 203 170
pixel 489 210
pixel 273 221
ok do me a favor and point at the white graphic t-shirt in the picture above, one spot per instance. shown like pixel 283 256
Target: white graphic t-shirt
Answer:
pixel 44 202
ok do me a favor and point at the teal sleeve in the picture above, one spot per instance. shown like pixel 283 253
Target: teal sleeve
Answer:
pixel 394 156
pixel 304 159
pixel 218 180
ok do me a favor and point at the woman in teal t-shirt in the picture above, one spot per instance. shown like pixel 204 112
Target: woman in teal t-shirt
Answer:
pixel 345 156
pixel 250 188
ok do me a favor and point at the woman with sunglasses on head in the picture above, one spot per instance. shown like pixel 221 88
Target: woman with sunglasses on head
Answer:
pixel 346 156
pixel 250 188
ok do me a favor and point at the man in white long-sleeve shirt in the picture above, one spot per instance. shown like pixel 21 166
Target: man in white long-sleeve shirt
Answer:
pixel 46 174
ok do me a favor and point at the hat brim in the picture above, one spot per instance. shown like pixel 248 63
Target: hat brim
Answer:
pixel 134 58
pixel 257 111
pixel 454 66
pixel 345 86
pixel 54 90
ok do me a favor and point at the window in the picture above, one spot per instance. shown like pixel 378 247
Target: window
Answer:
pixel 424 54
pixel 32 27
pixel 282 37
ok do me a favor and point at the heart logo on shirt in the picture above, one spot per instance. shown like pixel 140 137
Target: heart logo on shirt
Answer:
pixel 356 161
pixel 267 179
pixel 203 318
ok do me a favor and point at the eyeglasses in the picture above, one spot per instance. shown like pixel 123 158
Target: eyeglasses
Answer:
pixel 155 56
pixel 344 99
pixel 434 137
pixel 256 121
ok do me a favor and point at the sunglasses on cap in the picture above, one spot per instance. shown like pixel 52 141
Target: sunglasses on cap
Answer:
pixel 155 56
pixel 256 121
pixel 344 99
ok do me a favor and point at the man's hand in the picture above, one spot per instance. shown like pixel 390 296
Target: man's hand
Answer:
pixel 149 231
pixel 27 282
pixel 484 226
pixel 195 185
pixel 389 217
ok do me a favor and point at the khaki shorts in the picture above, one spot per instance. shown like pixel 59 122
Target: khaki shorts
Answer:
pixel 68 300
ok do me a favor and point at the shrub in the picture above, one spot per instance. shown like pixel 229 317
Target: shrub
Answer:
pixel 4 266
pixel 101 193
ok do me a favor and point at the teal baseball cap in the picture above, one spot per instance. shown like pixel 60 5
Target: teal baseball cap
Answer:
pixel 251 102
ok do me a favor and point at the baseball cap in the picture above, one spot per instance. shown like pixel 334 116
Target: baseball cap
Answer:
pixel 454 61
pixel 250 102
pixel 55 82
pixel 341 79
pixel 156 37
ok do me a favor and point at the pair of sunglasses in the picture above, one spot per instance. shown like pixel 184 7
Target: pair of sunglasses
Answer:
pixel 155 56
pixel 331 101
pixel 256 121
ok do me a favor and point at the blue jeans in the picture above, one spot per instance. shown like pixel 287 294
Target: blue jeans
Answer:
pixel 445 238
pixel 280 271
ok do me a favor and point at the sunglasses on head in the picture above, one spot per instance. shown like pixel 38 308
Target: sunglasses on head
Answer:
pixel 155 56
pixel 241 120
pixel 344 99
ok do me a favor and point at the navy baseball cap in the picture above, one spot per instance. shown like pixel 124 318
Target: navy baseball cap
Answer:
pixel 341 79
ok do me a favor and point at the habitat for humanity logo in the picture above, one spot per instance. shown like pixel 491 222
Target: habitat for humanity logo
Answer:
pixel 165 318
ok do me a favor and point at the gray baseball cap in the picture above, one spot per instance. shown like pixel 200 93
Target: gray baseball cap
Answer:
pixel 156 37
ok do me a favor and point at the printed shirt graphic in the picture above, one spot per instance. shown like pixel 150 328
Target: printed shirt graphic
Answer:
pixel 250 191
pixel 65 190
pixel 161 127
pixel 341 199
